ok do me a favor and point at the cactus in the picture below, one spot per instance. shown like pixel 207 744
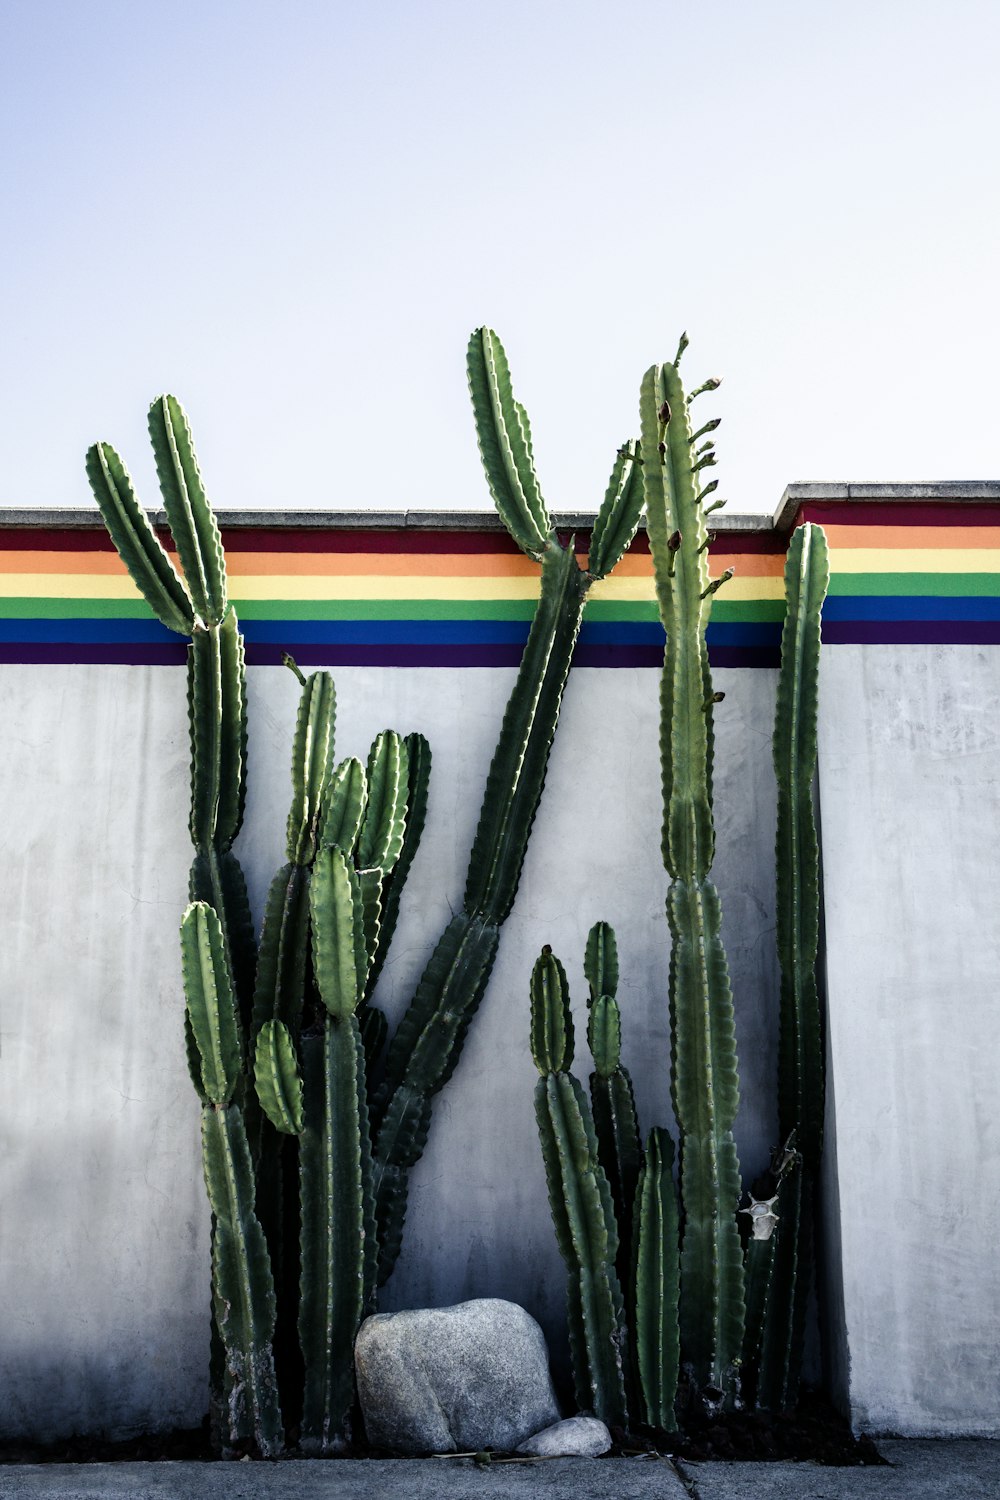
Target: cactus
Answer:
pixel 800 1058
pixel 612 1097
pixel 242 1289
pixel 347 830
pixel 705 1081
pixel 195 605
pixel 580 1198
pixel 656 1285
pixel 429 1040
pixel 621 1363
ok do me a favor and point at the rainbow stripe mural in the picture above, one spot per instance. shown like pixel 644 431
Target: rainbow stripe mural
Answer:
pixel 414 597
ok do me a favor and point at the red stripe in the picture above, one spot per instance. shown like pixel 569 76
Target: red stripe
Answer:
pixel 868 513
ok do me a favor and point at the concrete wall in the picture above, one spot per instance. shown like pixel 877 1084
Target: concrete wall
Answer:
pixel 103 1223
pixel 909 767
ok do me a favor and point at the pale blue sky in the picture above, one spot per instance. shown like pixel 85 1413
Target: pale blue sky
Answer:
pixel 291 215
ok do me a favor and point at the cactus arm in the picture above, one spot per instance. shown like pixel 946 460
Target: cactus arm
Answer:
pixel 370 888
pixel 284 941
pixel 517 775
pixel 312 751
pixel 587 1237
pixel 189 514
pixel 137 544
pixel 418 757
pixel 384 824
pixel 706 1093
pixel 551 1019
pixel 335 1168
pixel 243 1291
pixel 217 877
pixel 344 805
pixel 339 960
pixel 428 1042
pixel 374 1029
pixel 619 1150
pixel 217 720
pixel 681 577
pixel 807 576
pixel 211 1006
pixel 421 1058
pixel 276 1075
pixel 618 518
pixel 600 963
pixel 504 438
pixel 657 1284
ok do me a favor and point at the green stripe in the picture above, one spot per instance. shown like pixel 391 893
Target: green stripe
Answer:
pixel 918 585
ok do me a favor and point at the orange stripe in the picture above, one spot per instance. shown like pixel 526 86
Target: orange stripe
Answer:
pixel 965 538
pixel 372 565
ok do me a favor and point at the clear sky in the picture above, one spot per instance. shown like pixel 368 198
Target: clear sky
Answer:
pixel 292 214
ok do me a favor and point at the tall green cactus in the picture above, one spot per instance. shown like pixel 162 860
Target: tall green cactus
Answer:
pixel 656 1285
pixel 800 1055
pixel 705 1080
pixel 429 1040
pixel 582 1209
pixel 242 1288
pixel 196 605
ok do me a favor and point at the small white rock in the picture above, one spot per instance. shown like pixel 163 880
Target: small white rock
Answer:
pixel 577 1437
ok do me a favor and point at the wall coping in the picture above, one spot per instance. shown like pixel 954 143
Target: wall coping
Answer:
pixel 950 491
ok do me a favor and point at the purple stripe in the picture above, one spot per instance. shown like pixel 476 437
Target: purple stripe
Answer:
pixel 140 654
pixel 911 632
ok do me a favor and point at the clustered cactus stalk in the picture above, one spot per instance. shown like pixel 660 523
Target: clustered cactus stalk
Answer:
pixel 280 1048
pixel 429 1040
pixel 734 1317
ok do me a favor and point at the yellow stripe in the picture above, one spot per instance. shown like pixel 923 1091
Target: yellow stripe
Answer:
pixel 291 586
pixel 914 560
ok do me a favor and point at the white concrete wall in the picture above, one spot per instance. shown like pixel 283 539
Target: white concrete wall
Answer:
pixel 103 1225
pixel 909 769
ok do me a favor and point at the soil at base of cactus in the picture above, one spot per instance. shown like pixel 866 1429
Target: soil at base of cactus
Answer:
pixel 815 1432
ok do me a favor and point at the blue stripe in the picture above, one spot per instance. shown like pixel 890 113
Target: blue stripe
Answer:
pixel 911 607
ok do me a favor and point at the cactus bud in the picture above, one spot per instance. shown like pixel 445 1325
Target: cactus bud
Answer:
pixel 708 427
pixel 713 485
pixel 674 541
pixel 706 462
pixel 708 385
pixel 717 583
pixel 662 448
pixel 715 505
pixel 293 666
pixel 709 539
pixel 664 413
pixel 682 345
pixel 713 698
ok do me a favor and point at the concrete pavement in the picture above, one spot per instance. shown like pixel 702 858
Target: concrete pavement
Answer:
pixel 941 1470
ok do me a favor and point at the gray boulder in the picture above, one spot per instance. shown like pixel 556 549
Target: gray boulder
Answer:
pixel 577 1437
pixel 454 1379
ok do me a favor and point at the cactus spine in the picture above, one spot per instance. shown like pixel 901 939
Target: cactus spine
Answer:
pixel 800 1056
pixel 580 1198
pixel 705 1081
pixel 429 1040
pixel 242 1289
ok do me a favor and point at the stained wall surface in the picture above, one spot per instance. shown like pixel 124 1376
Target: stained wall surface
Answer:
pixel 104 1225
pixel 910 790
